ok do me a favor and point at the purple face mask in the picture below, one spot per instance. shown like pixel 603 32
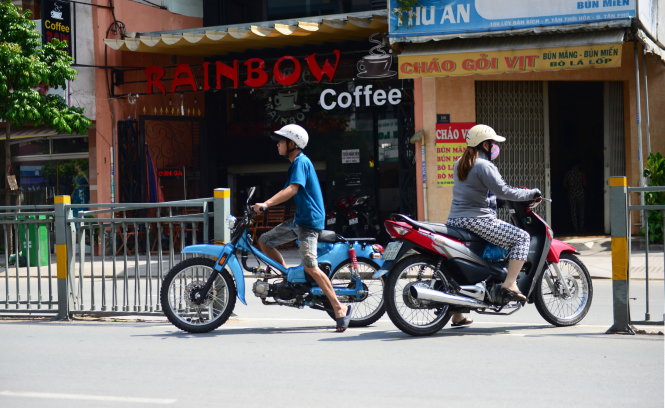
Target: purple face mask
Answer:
pixel 494 152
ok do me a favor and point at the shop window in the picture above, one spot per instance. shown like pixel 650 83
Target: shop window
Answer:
pixel 47 167
pixel 33 147
pixel 70 145
pixel 40 181
pixel 50 146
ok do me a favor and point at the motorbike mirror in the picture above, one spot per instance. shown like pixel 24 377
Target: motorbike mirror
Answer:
pixel 250 193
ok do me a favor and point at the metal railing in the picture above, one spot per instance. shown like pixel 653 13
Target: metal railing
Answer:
pixel 108 259
pixel 644 216
pixel 26 281
pixel 122 252
pixel 620 215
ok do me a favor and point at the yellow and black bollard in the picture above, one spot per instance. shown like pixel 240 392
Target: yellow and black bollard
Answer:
pixel 619 224
pixel 62 253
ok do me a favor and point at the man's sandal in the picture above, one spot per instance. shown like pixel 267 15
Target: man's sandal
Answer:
pixel 343 322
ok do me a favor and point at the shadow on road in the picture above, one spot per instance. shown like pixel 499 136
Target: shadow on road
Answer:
pixel 363 334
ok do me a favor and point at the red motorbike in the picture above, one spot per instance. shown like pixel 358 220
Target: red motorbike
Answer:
pixel 435 270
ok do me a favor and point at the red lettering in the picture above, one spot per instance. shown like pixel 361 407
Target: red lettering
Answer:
pixel 448 65
pixel 206 74
pixel 289 79
pixel 420 67
pixel 154 77
pixel 187 79
pixel 256 74
pixel 406 68
pixel 468 65
pixel 511 62
pixel 327 69
pixel 223 70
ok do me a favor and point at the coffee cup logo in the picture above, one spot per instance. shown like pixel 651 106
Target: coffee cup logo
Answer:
pixel 56 12
pixel 286 101
pixel 377 64
pixel 374 66
pixel 282 108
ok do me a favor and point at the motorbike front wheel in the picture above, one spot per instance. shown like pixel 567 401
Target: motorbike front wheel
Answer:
pixel 184 303
pixel 413 316
pixel 564 300
pixel 371 307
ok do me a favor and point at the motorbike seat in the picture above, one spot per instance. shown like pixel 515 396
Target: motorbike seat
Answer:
pixel 459 234
pixel 328 236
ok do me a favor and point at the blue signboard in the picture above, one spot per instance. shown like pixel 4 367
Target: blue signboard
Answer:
pixel 441 17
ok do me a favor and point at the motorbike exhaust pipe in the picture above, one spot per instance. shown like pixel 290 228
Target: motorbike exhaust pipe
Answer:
pixel 418 292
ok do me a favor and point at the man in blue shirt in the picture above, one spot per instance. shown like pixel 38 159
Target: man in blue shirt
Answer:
pixel 303 185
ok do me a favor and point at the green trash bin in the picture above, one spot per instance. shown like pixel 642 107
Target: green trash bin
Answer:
pixel 36 233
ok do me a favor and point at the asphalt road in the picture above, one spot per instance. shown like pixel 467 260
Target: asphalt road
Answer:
pixel 279 357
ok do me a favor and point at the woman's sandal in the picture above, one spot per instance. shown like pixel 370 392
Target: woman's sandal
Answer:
pixel 343 322
pixel 462 323
pixel 510 295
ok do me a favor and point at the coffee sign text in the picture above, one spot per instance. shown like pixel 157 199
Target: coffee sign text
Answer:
pixel 362 96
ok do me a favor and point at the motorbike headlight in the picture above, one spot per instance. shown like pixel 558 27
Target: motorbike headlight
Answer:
pixel 231 221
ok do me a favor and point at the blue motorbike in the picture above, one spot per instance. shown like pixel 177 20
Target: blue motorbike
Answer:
pixel 199 294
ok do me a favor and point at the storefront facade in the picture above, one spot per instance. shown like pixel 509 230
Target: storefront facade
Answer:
pixel 354 121
pixel 204 118
pixel 565 96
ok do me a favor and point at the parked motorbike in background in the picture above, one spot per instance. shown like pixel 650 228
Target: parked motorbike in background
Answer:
pixel 435 270
pixel 354 216
pixel 341 218
pixel 368 219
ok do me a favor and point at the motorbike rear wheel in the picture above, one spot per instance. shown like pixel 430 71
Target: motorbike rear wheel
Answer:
pixel 558 306
pixel 413 316
pixel 186 307
pixel 372 307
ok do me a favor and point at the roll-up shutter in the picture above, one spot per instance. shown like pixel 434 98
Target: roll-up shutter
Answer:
pixel 516 111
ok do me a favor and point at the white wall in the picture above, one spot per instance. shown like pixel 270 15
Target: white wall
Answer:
pixel 82 89
pixel 190 8
pixel 652 15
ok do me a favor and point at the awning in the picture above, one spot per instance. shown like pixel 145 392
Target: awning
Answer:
pixel 551 52
pixel 29 133
pixel 222 40
pixel 650 46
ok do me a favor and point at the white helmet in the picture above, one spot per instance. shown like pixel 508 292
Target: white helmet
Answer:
pixel 296 133
pixel 480 133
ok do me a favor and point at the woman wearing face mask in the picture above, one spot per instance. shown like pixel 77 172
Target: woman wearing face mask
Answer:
pixel 478 183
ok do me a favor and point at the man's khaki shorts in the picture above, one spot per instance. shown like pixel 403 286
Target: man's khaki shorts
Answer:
pixel 288 231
